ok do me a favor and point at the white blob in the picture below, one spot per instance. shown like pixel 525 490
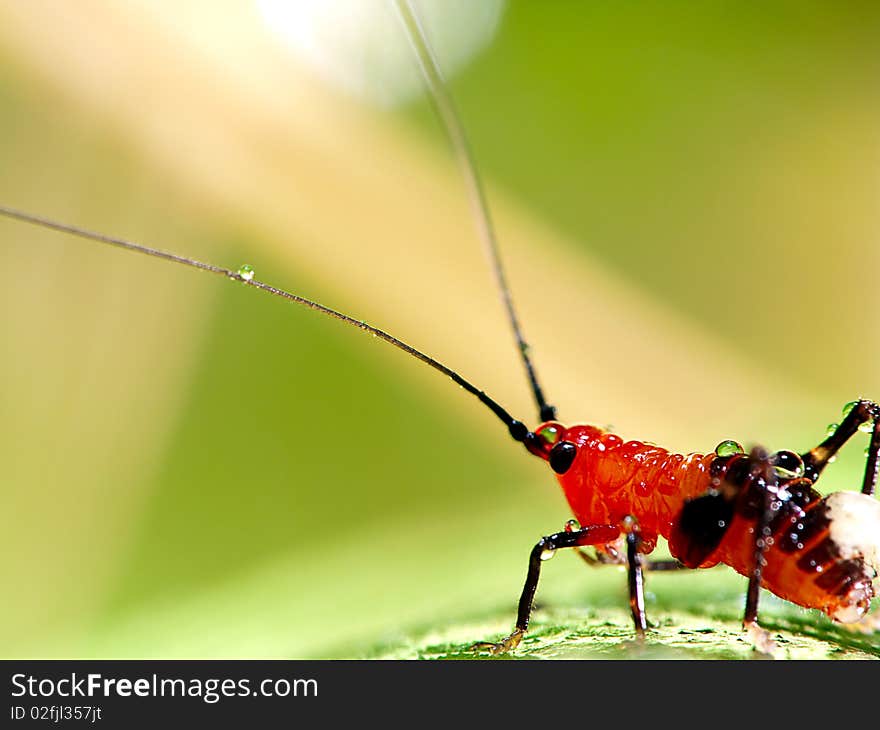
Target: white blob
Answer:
pixel 855 526
pixel 852 611
pixel 360 46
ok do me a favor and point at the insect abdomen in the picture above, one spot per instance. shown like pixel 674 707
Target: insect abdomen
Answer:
pixel 821 554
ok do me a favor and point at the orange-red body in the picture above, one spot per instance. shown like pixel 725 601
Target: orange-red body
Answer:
pixel 611 479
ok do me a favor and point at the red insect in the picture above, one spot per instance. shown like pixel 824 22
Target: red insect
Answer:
pixel 756 512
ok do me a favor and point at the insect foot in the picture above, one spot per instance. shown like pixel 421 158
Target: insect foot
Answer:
pixel 502 647
pixel 761 642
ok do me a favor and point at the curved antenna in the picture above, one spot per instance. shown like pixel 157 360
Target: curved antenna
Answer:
pixel 517 429
pixel 445 109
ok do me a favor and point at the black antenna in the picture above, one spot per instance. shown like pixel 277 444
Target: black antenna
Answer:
pixel 446 111
pixel 517 429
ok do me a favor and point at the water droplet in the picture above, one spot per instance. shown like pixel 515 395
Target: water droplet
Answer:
pixel 866 427
pixel 728 448
pixel 867 449
pixel 550 434
pixel 246 272
pixel 832 459
pixel 831 428
pixel 848 407
pixel 788 465
pixel 547 554
pixel 572 526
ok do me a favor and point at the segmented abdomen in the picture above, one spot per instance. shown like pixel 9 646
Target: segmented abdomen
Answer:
pixel 821 552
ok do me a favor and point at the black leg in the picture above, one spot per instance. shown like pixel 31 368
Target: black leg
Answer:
pixel 761 472
pixel 864 411
pixel 591 535
pixel 636 579
pixel 872 468
pixel 762 494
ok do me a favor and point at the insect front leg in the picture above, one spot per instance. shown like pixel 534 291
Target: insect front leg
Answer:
pixel 590 535
pixel 862 412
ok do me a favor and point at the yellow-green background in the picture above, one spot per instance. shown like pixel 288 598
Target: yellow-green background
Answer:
pixel 687 195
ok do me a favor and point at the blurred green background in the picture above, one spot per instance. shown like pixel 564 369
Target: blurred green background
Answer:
pixel 687 199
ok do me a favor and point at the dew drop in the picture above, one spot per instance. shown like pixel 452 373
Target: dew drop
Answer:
pixel 572 526
pixel 728 448
pixel 550 434
pixel 831 428
pixel 832 459
pixel 246 272
pixel 848 407
pixel 788 465
pixel 548 554
pixel 866 427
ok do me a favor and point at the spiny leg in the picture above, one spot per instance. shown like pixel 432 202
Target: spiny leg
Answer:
pixel 816 459
pixel 590 535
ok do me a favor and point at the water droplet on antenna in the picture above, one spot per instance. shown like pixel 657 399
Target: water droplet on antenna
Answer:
pixel 246 272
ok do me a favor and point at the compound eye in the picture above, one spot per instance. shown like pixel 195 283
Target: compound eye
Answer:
pixel 562 456
pixel 788 464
